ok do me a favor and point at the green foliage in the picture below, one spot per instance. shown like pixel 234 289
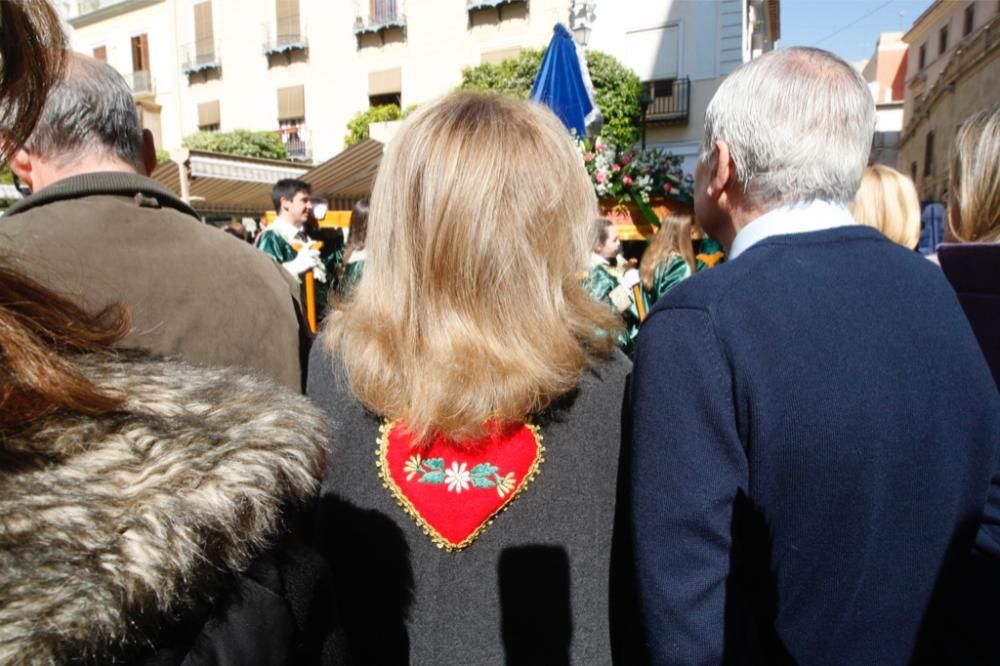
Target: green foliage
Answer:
pixel 513 77
pixel 357 127
pixel 6 176
pixel 616 88
pixel 162 156
pixel 243 142
pixel 618 91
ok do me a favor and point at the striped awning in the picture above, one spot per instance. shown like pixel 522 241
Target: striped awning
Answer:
pixel 227 184
pixel 347 176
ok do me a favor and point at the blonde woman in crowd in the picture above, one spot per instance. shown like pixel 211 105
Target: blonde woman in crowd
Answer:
pixel 887 200
pixel 973 264
pixel 476 401
pixel 669 259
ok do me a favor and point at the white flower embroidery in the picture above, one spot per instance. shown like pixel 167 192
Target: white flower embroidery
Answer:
pixel 412 466
pixel 457 477
pixel 506 484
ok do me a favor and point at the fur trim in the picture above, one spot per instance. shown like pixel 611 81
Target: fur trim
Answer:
pixel 110 523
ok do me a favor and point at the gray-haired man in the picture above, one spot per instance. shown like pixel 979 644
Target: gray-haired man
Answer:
pixel 814 427
pixel 98 231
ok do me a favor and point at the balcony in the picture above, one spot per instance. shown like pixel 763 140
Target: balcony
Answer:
pixel 87 12
pixel 667 101
pixel 296 143
pixel 141 83
pixel 284 36
pixel 476 5
pixel 200 56
pixel 382 16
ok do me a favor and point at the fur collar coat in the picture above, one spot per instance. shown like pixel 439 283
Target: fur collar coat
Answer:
pixel 112 526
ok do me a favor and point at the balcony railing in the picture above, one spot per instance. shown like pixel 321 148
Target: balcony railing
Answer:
pixel 295 142
pixel 283 35
pixel 141 82
pixel 473 5
pixel 669 101
pixel 200 56
pixel 90 6
pixel 382 15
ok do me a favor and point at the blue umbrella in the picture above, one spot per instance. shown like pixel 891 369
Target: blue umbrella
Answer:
pixel 563 83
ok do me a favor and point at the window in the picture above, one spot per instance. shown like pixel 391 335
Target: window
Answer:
pixel 929 155
pixel 922 57
pixel 140 53
pixel 970 19
pixel 204 33
pixel 943 40
pixel 292 121
pixel 384 87
pixel 287 12
pixel 209 117
pixel 101 53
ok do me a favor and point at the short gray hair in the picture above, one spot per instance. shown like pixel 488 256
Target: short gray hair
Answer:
pixel 90 111
pixel 799 124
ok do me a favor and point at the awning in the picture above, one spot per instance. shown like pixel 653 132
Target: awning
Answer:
pixel 220 184
pixel 347 176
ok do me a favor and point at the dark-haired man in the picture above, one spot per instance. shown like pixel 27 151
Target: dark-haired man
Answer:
pixel 98 230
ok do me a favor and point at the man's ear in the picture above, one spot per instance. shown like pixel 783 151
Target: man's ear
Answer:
pixel 721 169
pixel 148 151
pixel 23 167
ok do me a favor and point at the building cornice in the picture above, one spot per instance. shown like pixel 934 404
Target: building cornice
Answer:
pixel 110 11
pixel 924 22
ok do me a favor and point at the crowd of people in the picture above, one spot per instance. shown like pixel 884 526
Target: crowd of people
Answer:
pixel 513 444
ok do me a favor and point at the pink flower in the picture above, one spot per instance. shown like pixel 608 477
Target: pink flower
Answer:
pixel 600 177
pixel 588 156
pixel 616 167
pixel 599 146
pixel 626 180
pixel 666 188
pixel 626 159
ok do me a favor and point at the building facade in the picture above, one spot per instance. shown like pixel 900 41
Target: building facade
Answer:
pixel 304 68
pixel 885 73
pixel 952 73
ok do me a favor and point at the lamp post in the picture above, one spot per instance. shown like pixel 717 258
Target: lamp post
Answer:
pixel 581 19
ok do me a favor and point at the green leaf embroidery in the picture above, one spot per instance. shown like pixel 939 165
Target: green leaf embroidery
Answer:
pixel 434 463
pixel 483 469
pixel 482 482
pixel 432 477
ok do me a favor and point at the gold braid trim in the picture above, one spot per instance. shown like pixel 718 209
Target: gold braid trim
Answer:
pixel 382 462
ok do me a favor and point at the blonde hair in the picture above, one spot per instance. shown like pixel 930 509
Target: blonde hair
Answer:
pixel 974 190
pixel 887 200
pixel 672 239
pixel 470 307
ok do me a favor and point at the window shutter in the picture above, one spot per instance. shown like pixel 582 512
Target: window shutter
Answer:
pixel 208 114
pixel 287 12
pixel 385 82
pixel 291 103
pixel 204 35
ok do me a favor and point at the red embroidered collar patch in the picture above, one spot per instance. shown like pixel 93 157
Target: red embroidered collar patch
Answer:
pixel 454 494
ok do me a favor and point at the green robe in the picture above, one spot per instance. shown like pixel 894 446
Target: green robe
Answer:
pixel 272 244
pixel 350 278
pixel 600 283
pixel 668 274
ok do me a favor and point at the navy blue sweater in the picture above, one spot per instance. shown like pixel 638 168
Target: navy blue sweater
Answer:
pixel 814 433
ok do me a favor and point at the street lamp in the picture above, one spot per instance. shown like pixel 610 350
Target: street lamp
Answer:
pixel 581 19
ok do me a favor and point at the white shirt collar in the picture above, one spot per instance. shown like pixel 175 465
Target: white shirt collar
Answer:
pixel 598 260
pixel 285 229
pixel 793 219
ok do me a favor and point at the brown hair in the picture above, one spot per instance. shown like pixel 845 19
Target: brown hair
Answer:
pixel 672 239
pixel 32 58
pixel 887 201
pixel 974 190
pixel 39 333
pixel 359 229
pixel 471 308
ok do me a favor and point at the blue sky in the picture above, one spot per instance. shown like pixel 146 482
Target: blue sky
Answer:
pixel 849 28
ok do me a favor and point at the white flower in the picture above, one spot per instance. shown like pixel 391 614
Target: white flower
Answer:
pixel 505 484
pixel 412 466
pixel 457 477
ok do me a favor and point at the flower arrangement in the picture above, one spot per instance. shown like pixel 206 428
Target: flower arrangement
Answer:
pixel 634 174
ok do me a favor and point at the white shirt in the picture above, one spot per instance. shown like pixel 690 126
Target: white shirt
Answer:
pixel 793 219
pixel 285 229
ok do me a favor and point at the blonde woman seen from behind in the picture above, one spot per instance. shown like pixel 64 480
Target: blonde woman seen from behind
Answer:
pixel 887 200
pixel 472 369
pixel 972 265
